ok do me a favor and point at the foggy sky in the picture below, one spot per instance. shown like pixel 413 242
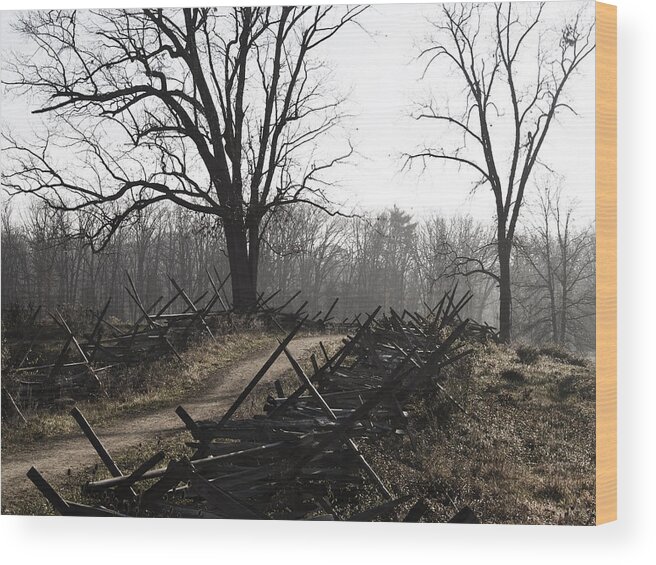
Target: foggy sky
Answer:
pixel 376 65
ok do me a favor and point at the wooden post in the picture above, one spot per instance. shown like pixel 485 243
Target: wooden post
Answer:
pixel 49 493
pixel 96 443
pixel 326 317
pixel 189 422
pixel 73 339
pixel 328 412
pixel 193 306
pixel 256 379
pixel 10 410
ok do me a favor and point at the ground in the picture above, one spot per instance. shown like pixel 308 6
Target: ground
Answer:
pixel 522 453
pixel 525 454
pixel 57 458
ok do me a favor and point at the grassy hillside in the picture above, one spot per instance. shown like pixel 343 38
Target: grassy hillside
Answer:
pixel 524 454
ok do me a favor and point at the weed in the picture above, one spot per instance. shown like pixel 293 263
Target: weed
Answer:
pixel 513 376
pixel 552 490
pixel 560 353
pixel 528 354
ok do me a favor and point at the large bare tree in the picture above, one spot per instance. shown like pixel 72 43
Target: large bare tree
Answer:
pixel 215 110
pixel 489 49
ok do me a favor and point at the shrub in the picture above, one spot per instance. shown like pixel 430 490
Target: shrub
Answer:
pixel 559 352
pixel 552 490
pixel 78 318
pixel 512 376
pixel 16 318
pixel 528 354
pixel 565 387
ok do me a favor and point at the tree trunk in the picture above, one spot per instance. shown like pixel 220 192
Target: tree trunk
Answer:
pixel 243 286
pixel 554 316
pixel 505 292
pixel 254 255
pixel 564 294
pixel 563 316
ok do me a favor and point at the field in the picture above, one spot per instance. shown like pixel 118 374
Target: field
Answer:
pixel 509 434
pixel 528 456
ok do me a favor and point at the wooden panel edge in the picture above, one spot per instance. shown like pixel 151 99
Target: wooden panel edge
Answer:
pixel 606 225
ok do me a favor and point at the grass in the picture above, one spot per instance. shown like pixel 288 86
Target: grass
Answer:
pixel 513 376
pixel 524 456
pixel 31 502
pixel 529 455
pixel 142 388
pixel 528 354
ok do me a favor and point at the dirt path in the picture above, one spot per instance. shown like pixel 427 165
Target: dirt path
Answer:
pixel 55 457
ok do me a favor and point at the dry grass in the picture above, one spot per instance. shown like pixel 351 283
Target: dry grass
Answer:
pixel 69 486
pixel 528 455
pixel 206 357
pixel 142 388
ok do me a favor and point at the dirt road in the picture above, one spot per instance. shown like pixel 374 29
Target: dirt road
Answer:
pixel 55 457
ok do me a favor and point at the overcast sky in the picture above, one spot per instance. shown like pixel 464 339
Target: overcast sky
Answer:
pixel 377 64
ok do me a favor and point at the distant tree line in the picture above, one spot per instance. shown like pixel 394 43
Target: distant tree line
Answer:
pixel 392 259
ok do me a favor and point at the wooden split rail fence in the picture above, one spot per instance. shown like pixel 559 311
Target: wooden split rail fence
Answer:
pixel 161 329
pixel 302 455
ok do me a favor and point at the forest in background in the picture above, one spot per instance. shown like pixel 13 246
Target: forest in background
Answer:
pixel 392 259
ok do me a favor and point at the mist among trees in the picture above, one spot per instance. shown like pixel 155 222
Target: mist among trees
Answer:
pixel 391 260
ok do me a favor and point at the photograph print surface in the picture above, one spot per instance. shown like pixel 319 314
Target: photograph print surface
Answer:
pixel 301 263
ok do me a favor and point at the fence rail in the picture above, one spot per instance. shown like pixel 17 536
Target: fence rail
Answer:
pixel 292 460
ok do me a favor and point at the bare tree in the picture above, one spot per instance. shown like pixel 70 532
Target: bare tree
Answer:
pixel 215 110
pixel 457 250
pixel 15 259
pixel 562 261
pixel 489 69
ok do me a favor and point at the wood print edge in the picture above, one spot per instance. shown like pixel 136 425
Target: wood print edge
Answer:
pixel 606 224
